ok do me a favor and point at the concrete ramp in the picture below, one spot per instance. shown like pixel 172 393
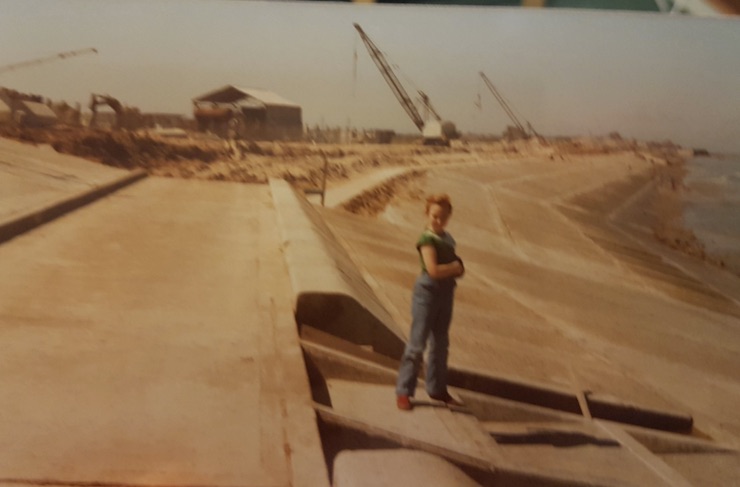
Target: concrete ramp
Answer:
pixel 37 185
pixel 329 289
pixel 390 468
pixel 149 340
pixel 512 431
pixel 506 443
pixel 431 423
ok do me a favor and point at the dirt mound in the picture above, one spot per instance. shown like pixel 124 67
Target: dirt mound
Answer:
pixel 119 149
pixel 199 156
pixel 375 200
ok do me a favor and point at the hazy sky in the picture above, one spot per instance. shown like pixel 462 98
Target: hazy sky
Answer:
pixel 645 75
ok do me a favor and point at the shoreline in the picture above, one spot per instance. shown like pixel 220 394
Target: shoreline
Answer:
pixel 669 203
pixel 565 258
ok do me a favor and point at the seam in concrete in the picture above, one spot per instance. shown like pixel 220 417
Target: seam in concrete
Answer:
pixel 675 421
pixel 36 218
pixel 668 442
pixel 347 421
pixel 645 456
pixel 494 465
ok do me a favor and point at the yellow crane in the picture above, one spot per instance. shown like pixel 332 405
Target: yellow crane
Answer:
pixel 54 57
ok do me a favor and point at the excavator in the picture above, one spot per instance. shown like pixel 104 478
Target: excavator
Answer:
pixel 434 130
pixel 66 113
pixel 126 118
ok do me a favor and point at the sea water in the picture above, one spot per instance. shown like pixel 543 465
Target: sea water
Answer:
pixel 712 205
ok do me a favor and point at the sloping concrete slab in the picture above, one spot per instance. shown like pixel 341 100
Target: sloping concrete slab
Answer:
pixel 39 185
pixel 593 452
pixel 392 468
pixel 330 292
pixel 32 177
pixel 338 195
pixel 148 342
pixel 544 301
pixel 430 421
pixel 706 469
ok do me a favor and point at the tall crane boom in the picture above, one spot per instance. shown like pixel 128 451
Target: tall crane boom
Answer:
pixel 428 105
pixel 61 55
pixel 503 103
pixel 391 79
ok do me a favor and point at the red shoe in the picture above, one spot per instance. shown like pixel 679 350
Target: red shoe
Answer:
pixel 404 403
pixel 446 398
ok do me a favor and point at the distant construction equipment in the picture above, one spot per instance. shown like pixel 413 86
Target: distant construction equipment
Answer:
pixel 519 131
pixel 30 110
pixel 55 57
pixel 434 132
pixel 125 117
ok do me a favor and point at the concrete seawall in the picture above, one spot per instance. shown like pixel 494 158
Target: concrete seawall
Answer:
pixel 38 184
pixel 28 221
pixel 256 336
pixel 329 291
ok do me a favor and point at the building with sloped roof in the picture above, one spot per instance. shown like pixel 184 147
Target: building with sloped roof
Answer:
pixel 248 113
pixel 6 114
pixel 34 114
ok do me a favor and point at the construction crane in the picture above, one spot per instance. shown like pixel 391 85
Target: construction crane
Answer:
pixel 517 124
pixel 436 132
pixel 34 62
pixel 428 105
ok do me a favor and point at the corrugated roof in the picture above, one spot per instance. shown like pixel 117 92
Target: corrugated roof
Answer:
pixel 39 109
pixel 266 97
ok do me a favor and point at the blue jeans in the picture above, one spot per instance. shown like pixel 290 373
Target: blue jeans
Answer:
pixel 431 311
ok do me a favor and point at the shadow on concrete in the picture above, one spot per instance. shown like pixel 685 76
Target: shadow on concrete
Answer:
pixel 344 317
pixel 555 438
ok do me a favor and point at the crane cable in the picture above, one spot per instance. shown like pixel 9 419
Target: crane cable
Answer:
pixel 397 69
pixel 410 82
pixel 478 102
pixel 354 70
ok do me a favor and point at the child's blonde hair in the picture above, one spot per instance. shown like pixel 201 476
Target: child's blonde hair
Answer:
pixel 441 199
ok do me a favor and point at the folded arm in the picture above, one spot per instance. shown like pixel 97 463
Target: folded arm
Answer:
pixel 439 271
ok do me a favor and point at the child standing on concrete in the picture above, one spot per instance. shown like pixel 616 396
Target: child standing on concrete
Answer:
pixel 431 307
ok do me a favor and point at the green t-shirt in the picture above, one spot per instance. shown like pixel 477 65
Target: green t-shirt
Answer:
pixel 444 245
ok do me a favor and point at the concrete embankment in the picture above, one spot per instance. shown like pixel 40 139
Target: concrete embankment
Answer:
pixel 330 293
pixel 39 185
pixel 567 291
pixel 200 333
pixel 513 415
pixel 150 338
